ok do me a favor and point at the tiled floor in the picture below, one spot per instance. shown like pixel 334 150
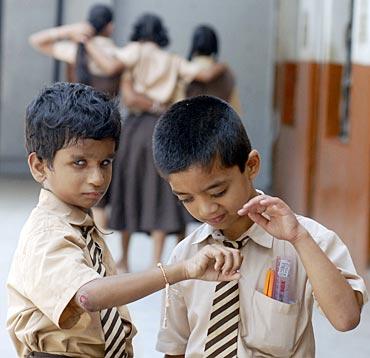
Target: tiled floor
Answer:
pixel 18 196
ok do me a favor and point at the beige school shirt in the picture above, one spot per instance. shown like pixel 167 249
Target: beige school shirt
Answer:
pixel 66 51
pixel 155 72
pixel 50 264
pixel 267 328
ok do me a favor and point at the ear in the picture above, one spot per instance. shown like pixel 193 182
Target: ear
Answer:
pixel 37 167
pixel 253 164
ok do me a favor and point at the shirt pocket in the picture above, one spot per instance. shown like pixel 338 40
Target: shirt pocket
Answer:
pixel 271 325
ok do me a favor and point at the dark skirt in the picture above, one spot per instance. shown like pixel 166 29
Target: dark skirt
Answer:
pixel 141 201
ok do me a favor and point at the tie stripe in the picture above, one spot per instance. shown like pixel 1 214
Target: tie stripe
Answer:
pixel 222 334
pixel 112 323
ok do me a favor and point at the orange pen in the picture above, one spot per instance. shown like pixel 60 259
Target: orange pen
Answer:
pixel 267 282
pixel 270 290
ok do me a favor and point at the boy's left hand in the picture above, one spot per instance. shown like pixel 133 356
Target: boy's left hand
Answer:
pixel 275 216
pixel 214 263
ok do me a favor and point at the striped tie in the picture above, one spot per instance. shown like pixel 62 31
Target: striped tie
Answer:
pixel 113 325
pixel 222 334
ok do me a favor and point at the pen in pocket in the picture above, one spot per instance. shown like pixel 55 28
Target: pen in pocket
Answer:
pixel 268 289
pixel 280 279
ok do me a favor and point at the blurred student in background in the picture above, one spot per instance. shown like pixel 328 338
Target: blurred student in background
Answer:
pixel 204 52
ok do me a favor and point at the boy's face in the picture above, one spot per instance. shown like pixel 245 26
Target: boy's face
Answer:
pixel 214 196
pixel 81 172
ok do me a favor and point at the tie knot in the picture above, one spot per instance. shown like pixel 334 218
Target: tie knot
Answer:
pixel 236 244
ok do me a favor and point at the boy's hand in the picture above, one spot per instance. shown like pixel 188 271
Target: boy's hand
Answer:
pixel 275 216
pixel 214 263
pixel 81 32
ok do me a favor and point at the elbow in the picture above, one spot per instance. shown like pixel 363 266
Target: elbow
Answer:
pixel 349 323
pixel 129 101
pixel 130 98
pixel 87 301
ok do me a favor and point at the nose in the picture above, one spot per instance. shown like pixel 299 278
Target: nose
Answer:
pixel 207 208
pixel 97 177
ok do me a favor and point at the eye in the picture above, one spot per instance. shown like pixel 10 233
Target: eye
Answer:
pixel 106 162
pixel 221 193
pixel 186 200
pixel 79 162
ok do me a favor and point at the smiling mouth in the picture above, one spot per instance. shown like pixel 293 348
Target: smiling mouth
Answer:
pixel 217 219
pixel 94 195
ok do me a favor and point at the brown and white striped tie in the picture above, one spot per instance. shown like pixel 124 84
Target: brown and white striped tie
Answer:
pixel 112 323
pixel 222 334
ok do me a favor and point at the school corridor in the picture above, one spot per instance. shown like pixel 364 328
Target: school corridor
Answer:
pixel 18 196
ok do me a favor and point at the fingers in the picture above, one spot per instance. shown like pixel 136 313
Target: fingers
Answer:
pixel 263 204
pixel 227 260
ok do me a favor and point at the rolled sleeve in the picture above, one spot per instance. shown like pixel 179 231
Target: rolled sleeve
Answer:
pixel 65 51
pixel 129 55
pixel 188 70
pixel 172 339
pixel 339 255
pixel 55 267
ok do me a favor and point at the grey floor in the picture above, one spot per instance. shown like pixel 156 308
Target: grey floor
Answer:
pixel 17 197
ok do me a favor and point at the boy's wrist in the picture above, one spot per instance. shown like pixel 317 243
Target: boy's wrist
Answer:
pixel 176 272
pixel 302 234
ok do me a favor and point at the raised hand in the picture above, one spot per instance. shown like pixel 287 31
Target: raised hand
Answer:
pixel 275 216
pixel 81 32
pixel 214 263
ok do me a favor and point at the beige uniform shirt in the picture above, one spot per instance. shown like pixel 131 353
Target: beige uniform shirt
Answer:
pixel 268 328
pixel 66 51
pixel 50 264
pixel 155 72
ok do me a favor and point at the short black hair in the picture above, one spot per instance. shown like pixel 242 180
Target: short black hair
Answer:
pixel 204 42
pixel 149 27
pixel 66 112
pixel 196 131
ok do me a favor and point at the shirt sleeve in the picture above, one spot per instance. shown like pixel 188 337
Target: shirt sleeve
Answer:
pixel 174 331
pixel 65 51
pixel 188 70
pixel 129 54
pixel 339 255
pixel 55 267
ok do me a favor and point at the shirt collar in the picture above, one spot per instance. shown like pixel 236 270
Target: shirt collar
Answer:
pixel 75 216
pixel 255 232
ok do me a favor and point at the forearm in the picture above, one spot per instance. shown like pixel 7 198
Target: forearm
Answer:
pixel 132 99
pixel 122 289
pixel 45 39
pixel 211 73
pixel 333 293
pixel 109 64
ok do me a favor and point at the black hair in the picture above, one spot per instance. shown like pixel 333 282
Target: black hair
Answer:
pixel 149 27
pixel 99 17
pixel 204 42
pixel 66 112
pixel 196 131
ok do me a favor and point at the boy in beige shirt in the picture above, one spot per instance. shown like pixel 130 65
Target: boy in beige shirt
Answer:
pixel 65 298
pixel 202 149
